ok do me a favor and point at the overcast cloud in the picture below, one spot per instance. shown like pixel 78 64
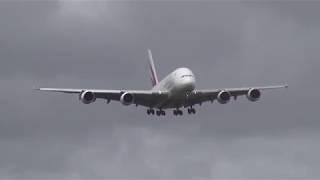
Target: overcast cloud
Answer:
pixel 102 44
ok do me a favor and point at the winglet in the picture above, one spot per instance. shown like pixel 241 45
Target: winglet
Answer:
pixel 154 77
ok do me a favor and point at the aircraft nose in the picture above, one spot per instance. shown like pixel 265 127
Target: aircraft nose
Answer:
pixel 188 84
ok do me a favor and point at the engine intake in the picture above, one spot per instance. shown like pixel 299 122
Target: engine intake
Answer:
pixel 224 97
pixel 127 99
pixel 87 97
pixel 254 95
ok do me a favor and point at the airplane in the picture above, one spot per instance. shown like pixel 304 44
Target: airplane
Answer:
pixel 177 90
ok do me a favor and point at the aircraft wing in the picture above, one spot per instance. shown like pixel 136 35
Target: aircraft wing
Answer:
pixel 201 96
pixel 143 98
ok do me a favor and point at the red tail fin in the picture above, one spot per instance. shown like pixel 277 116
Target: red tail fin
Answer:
pixel 154 77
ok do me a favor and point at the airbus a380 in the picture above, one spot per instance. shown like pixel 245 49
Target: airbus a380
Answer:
pixel 176 91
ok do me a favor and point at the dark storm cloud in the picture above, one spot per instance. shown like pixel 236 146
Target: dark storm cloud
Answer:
pixel 103 45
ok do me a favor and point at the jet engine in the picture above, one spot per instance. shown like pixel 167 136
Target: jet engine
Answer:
pixel 87 97
pixel 254 95
pixel 224 97
pixel 126 99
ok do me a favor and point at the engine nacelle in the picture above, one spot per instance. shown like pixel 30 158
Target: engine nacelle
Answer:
pixel 254 95
pixel 87 97
pixel 224 97
pixel 127 99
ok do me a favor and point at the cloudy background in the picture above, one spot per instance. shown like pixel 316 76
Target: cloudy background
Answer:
pixel 102 44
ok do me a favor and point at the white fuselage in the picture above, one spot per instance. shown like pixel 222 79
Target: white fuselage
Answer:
pixel 178 83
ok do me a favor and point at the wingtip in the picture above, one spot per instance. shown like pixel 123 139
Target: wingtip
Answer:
pixel 36 89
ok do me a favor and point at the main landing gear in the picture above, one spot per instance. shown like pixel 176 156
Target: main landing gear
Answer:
pixel 150 111
pixel 176 112
pixel 191 111
pixel 159 112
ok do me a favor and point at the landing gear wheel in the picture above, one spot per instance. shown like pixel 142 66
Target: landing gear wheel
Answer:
pixel 179 112
pixel 176 112
pixel 191 111
pixel 160 113
pixel 150 112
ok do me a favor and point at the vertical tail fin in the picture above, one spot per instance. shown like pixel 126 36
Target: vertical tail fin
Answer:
pixel 154 77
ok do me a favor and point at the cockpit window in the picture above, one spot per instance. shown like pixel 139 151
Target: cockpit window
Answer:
pixel 183 76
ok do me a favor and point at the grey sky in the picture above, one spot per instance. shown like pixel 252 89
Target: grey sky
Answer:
pixel 102 44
